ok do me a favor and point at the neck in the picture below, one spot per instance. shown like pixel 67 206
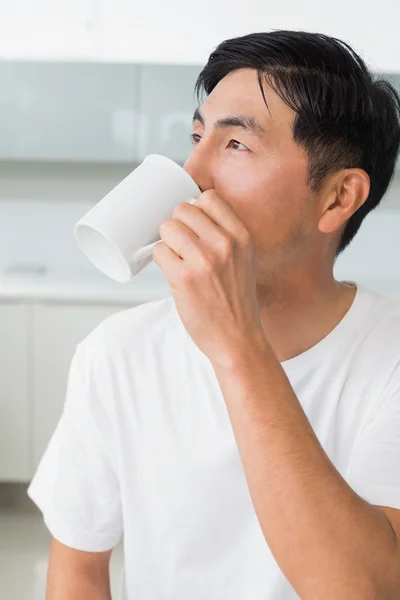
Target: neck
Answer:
pixel 296 315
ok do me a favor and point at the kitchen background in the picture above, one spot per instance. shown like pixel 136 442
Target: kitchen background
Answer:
pixel 87 90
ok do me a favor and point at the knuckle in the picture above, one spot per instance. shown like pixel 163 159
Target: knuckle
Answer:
pixel 225 246
pixel 185 277
pixel 165 225
pixel 206 263
pixel 207 197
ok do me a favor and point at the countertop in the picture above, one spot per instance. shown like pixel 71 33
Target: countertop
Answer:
pixel 51 287
pixel 99 289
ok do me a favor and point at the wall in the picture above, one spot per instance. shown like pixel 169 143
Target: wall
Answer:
pixel 143 33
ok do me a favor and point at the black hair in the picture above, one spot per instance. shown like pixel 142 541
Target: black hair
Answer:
pixel 345 116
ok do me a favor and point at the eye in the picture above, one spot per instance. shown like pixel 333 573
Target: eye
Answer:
pixel 194 137
pixel 240 144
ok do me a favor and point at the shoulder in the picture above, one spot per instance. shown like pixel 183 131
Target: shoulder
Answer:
pixel 126 343
pixel 132 329
pixel 378 340
pixel 384 320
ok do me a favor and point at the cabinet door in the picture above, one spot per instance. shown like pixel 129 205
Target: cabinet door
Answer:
pixel 68 112
pixel 15 323
pixel 166 105
pixel 48 30
pixel 57 331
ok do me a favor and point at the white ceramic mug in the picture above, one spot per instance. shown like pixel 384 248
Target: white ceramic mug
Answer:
pixel 119 232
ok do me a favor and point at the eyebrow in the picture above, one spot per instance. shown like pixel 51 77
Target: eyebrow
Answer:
pixel 246 122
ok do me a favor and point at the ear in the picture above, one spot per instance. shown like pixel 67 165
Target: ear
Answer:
pixel 346 191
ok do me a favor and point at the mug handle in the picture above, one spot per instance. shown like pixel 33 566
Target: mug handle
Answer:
pixel 146 251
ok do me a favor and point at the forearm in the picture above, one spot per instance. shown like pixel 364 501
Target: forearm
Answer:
pixel 77 575
pixel 77 587
pixel 82 588
pixel 328 541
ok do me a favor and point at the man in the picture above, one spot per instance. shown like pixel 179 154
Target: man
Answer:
pixel 243 434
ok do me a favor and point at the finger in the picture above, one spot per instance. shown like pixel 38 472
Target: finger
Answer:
pixel 221 213
pixel 180 239
pixel 166 259
pixel 198 221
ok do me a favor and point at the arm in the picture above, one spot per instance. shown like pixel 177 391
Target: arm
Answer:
pixel 77 490
pixel 77 575
pixel 328 541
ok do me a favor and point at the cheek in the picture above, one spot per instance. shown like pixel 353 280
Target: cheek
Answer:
pixel 286 183
pixel 266 195
pixel 239 179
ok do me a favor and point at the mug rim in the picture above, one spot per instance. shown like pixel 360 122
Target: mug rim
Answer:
pixel 81 225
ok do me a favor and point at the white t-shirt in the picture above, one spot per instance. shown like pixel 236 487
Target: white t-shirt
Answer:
pixel 145 447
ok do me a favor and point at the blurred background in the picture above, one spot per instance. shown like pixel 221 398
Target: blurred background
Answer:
pixel 88 88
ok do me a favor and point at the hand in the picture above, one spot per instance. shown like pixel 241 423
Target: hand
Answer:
pixel 206 254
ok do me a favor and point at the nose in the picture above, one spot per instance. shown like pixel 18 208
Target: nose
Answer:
pixel 199 168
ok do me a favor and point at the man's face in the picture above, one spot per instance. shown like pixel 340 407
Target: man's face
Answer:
pixel 263 176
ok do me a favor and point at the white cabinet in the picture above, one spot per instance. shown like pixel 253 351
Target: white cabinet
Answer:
pixel 49 30
pixel 76 112
pixel 15 414
pixel 101 113
pixel 57 329
pixel 167 103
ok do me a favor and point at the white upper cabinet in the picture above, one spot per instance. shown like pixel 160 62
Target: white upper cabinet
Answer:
pixel 166 102
pixel 50 29
pixel 68 111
